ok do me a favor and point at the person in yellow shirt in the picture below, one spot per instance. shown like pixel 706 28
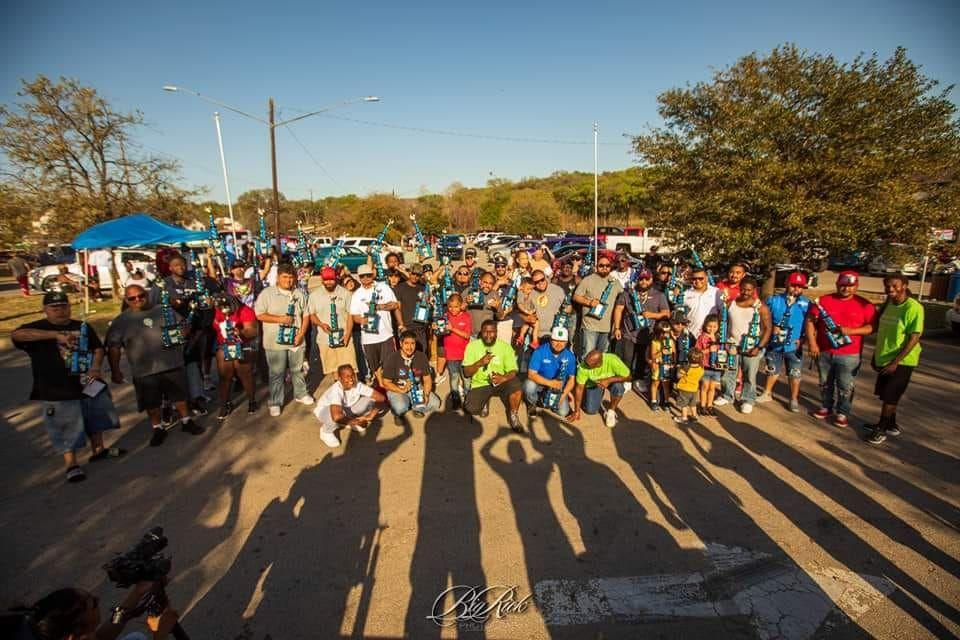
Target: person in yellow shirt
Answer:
pixel 687 386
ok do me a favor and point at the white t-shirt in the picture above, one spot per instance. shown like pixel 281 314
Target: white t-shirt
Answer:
pixel 336 395
pixel 623 277
pixel 360 304
pixel 699 306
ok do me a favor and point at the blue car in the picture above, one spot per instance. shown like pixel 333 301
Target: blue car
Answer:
pixel 451 246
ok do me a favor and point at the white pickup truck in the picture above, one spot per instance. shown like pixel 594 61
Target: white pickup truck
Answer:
pixel 639 240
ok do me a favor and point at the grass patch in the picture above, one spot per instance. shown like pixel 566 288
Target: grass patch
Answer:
pixel 16 310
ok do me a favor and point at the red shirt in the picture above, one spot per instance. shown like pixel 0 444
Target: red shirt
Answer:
pixel 706 344
pixel 241 315
pixel 454 345
pixel 853 313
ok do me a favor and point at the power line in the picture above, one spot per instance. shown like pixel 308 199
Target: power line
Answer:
pixel 461 134
pixel 310 155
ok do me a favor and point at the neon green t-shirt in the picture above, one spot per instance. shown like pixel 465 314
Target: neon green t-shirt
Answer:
pixel 897 322
pixel 610 366
pixel 504 360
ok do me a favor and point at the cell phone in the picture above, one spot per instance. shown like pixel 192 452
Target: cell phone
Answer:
pixel 93 388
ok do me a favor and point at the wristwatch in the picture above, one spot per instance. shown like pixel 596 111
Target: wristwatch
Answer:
pixel 118 614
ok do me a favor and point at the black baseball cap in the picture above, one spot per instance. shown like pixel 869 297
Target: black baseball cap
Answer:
pixel 470 253
pixel 55 297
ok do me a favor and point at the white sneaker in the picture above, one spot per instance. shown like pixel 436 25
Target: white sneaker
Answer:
pixel 330 440
pixel 358 429
pixel 719 402
pixel 274 411
pixel 640 387
pixel 307 400
pixel 746 407
pixel 610 418
pixel 763 397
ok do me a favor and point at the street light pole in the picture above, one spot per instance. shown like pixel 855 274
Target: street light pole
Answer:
pixel 596 199
pixel 273 167
pixel 226 181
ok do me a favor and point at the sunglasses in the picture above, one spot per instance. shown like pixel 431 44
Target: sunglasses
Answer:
pixel 698 279
pixel 136 297
pixel 603 265
pixel 463 273
pixel 539 281
pixel 366 275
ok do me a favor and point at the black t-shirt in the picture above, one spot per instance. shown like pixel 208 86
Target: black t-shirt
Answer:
pixel 51 374
pixel 408 297
pixel 394 367
pixel 186 292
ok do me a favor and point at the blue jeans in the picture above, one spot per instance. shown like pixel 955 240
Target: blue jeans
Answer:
pixel 457 379
pixel 277 362
pixel 793 361
pixel 728 382
pixel 400 402
pixel 590 340
pixel 592 397
pixel 838 374
pixel 531 393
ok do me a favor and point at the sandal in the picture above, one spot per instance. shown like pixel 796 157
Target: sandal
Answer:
pixel 111 452
pixel 76 474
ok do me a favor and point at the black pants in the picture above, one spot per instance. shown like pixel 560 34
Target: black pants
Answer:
pixel 634 355
pixel 478 397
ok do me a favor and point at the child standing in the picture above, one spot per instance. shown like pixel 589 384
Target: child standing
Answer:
pixel 661 357
pixel 708 344
pixel 687 385
pixel 454 344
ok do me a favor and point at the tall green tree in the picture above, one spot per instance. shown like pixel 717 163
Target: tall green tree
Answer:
pixel 780 152
pixel 431 215
pixel 491 207
pixel 531 211
pixel 70 154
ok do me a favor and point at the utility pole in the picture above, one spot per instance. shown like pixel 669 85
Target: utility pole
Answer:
pixel 273 164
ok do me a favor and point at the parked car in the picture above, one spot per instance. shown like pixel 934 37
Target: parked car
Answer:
pixel 451 246
pixel 351 258
pixel 881 266
pixel 639 240
pixel 499 245
pixel 43 278
pixel 484 236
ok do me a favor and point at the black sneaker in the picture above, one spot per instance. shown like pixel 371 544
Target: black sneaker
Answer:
pixel 455 402
pixel 877 436
pixel 252 407
pixel 159 435
pixel 655 407
pixel 192 428
pixel 893 430
pixel 515 423
pixel 225 410
pixel 198 407
pixel 400 421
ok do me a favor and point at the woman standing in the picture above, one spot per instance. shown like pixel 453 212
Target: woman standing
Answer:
pixel 235 325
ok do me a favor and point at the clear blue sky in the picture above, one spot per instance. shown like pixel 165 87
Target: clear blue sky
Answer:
pixel 540 70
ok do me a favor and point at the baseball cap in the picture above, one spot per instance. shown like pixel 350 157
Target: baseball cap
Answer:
pixel 55 297
pixel 560 334
pixel 848 277
pixel 678 317
pixel 797 278
pixel 645 274
pixel 500 260
pixel 428 267
pixel 470 253
pixel 364 270
pixel 328 273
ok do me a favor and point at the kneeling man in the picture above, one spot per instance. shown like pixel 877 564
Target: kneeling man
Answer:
pixel 600 371
pixel 347 403
pixel 408 380
pixel 550 375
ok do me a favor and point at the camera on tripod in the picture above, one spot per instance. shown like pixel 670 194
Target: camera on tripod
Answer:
pixel 143 563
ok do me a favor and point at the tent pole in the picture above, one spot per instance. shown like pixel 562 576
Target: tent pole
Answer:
pixel 86 282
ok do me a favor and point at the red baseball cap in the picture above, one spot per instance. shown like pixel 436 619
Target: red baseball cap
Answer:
pixel 328 273
pixel 848 277
pixel 798 278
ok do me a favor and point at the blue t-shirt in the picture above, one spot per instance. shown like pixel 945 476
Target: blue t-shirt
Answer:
pixel 545 362
pixel 794 329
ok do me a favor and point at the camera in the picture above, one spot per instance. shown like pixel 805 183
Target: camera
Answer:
pixel 143 563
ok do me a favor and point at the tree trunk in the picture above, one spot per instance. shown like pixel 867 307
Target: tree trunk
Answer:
pixel 769 284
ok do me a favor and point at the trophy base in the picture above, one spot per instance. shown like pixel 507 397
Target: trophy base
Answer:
pixel 335 338
pixel 598 311
pixel 372 325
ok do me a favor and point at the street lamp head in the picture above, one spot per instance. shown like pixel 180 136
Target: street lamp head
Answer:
pixel 170 87
pixel 372 99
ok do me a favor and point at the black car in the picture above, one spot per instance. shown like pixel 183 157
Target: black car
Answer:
pixel 451 246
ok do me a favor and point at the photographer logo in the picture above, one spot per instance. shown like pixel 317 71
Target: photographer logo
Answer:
pixel 474 606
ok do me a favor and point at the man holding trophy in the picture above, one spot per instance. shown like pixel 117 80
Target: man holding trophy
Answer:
pixel 329 309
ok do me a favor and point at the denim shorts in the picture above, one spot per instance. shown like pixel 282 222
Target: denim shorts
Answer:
pixel 792 359
pixel 711 375
pixel 68 421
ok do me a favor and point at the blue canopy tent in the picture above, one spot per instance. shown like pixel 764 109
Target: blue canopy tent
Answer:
pixel 135 230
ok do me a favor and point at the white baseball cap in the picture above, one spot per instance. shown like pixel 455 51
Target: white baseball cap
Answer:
pixel 560 334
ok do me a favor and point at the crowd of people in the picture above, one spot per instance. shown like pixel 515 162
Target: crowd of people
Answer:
pixel 571 337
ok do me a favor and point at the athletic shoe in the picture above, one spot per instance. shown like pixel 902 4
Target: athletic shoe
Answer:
pixel 252 407
pixel 763 397
pixel 455 402
pixel 746 407
pixel 821 414
pixel 794 406
pixel 358 429
pixel 877 436
pixel 655 407
pixel 305 400
pixel 721 401
pixel 198 407
pixel 679 419
pixel 515 422
pixel 274 411
pixel 191 427
pixel 840 420
pixel 610 418
pixel 399 421
pixel 330 440
pixel 225 410
pixel 893 430
pixel 159 435
pixel 418 414
pixel 640 387
pixel 76 474
pixel 485 411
